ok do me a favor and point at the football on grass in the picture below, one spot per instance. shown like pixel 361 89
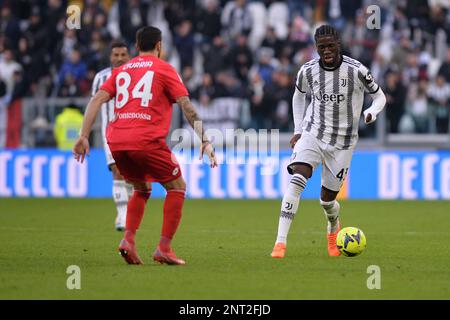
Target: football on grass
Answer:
pixel 351 241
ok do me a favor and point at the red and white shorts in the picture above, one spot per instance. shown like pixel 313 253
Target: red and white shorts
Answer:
pixel 154 164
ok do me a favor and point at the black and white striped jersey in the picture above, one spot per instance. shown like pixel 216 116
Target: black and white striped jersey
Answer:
pixel 107 111
pixel 337 97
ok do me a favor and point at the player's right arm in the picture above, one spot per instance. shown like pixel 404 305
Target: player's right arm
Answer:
pixel 196 123
pixel 106 92
pixel 81 147
pixel 179 94
pixel 298 105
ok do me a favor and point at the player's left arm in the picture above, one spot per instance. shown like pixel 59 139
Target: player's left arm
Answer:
pixel 374 89
pixel 81 147
pixel 196 123
pixel 378 103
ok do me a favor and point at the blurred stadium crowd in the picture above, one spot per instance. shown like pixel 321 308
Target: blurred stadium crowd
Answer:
pixel 236 48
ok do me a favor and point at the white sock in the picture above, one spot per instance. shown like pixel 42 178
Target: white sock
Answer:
pixel 120 196
pixel 289 206
pixel 331 210
pixel 130 189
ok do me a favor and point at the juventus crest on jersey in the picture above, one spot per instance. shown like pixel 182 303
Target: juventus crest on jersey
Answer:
pixel 336 100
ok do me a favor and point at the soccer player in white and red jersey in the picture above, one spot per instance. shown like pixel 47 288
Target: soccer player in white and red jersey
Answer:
pixel 145 89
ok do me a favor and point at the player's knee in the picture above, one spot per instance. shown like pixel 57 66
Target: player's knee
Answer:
pixel 177 184
pixel 302 169
pixel 182 184
pixel 327 195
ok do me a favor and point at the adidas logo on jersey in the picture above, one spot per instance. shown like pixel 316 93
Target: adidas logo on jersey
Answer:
pixel 325 97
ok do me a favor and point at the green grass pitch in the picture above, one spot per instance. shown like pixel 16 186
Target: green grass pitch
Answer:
pixel 227 246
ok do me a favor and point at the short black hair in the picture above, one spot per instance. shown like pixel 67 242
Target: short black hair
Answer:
pixel 147 38
pixel 326 31
pixel 118 44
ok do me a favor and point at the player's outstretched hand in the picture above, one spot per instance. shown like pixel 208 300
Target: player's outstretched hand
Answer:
pixel 294 139
pixel 81 149
pixel 207 148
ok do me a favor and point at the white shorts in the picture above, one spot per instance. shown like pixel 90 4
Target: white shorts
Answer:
pixel 109 158
pixel 335 162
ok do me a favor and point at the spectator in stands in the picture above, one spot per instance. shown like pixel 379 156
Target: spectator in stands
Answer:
pixel 439 99
pixel 55 21
pixel 444 69
pixel 9 25
pixel 229 86
pixel 3 113
pixel 395 93
pixel 278 18
pixel 272 41
pixel 93 18
pixel 241 58
pixel 401 52
pixel 8 66
pixel 184 42
pixel 417 106
pixel 179 10
pixel 208 21
pixel 236 19
pixel 73 66
pixel 67 125
pixel 206 90
pixel 126 17
pixel 189 79
pixel 73 69
pixel 362 41
pixel 214 56
pixel 67 45
pixel 259 117
pixel 282 96
pixel 24 54
pixel 95 57
pixel 300 33
pixel 37 44
pixel 69 87
pixel 412 70
pixel 20 86
pixel 265 65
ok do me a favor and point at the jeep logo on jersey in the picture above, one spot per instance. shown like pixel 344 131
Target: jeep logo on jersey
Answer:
pixel 325 97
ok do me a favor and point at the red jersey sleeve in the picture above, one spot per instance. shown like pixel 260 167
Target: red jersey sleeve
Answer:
pixel 110 84
pixel 173 84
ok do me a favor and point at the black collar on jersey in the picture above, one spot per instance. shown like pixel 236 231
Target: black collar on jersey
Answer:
pixel 331 69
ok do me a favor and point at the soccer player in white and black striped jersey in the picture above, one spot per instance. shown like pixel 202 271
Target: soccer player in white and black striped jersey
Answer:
pixel 326 131
pixel 121 189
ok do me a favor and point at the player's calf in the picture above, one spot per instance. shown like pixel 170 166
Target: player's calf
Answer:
pixel 120 197
pixel 331 210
